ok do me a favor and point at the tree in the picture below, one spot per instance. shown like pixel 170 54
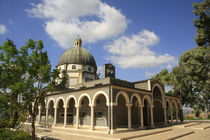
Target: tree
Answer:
pixel 202 23
pixel 26 73
pixel 195 68
pixel 164 76
pixel 191 78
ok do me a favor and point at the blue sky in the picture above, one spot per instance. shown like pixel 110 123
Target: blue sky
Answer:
pixel 140 37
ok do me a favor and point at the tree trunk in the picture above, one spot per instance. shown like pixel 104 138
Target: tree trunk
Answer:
pixel 207 110
pixel 33 131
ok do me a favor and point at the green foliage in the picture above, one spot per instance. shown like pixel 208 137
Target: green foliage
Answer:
pixel 191 78
pixel 202 23
pixel 25 72
pixel 165 77
pixel 6 134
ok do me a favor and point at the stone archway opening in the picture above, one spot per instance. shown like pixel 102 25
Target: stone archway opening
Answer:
pixel 101 111
pixel 180 113
pixel 71 112
pixel 60 112
pixel 50 117
pixel 168 111
pixel 173 109
pixel 135 113
pixel 146 113
pixel 158 110
pixel 84 114
pixel 121 112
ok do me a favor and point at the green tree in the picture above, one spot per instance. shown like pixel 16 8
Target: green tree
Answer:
pixel 165 77
pixel 202 23
pixel 191 78
pixel 195 67
pixel 26 73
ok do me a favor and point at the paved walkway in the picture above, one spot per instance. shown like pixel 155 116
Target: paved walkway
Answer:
pixel 188 131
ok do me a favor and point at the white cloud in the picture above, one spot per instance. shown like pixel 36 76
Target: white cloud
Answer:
pixel 149 74
pixel 93 20
pixel 100 70
pixel 134 52
pixel 3 29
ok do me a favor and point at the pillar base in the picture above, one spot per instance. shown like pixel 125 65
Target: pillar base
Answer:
pixel 142 127
pixel 130 129
pixel 112 131
pixel 152 126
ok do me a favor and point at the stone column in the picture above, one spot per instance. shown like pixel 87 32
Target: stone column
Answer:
pixel 177 118
pixel 46 117
pixel 171 115
pixel 142 117
pixel 113 118
pixel 39 115
pixel 65 115
pixel 129 115
pixel 165 115
pixel 77 116
pixel 92 117
pixel 152 120
pixel 55 115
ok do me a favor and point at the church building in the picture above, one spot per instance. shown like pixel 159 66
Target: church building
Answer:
pixel 108 103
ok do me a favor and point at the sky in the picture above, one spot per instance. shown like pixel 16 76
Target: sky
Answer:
pixel 139 37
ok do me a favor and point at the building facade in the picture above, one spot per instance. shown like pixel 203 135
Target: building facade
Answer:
pixel 108 103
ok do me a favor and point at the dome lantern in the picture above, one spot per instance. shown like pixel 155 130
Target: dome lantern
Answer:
pixel 78 42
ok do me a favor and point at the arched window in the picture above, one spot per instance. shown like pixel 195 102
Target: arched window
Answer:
pixel 73 67
pixel 89 68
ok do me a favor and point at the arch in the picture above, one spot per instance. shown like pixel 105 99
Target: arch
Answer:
pixel 57 101
pixel 138 98
pixel 149 100
pixel 100 93
pixel 161 91
pixel 174 103
pixel 48 102
pixel 179 105
pixel 81 97
pixel 169 102
pixel 69 98
pixel 124 94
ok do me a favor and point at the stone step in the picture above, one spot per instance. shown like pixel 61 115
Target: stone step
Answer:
pixel 201 126
pixel 142 133
pixel 186 125
pixel 168 135
pixel 118 136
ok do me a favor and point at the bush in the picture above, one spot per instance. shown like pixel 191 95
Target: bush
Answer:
pixel 6 134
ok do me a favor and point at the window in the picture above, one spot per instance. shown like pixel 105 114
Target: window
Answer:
pixel 89 68
pixel 88 79
pixel 73 81
pixel 73 67
pixel 99 114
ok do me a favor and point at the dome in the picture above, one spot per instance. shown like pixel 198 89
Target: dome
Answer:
pixel 77 55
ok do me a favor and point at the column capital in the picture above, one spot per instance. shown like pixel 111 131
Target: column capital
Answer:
pixel 113 104
pixel 40 107
pixel 152 106
pixel 65 107
pixel 128 105
pixel 77 106
pixel 164 106
pixel 92 105
pixel 55 107
pixel 140 106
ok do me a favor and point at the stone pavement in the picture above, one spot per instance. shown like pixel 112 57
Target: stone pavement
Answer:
pixel 188 131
